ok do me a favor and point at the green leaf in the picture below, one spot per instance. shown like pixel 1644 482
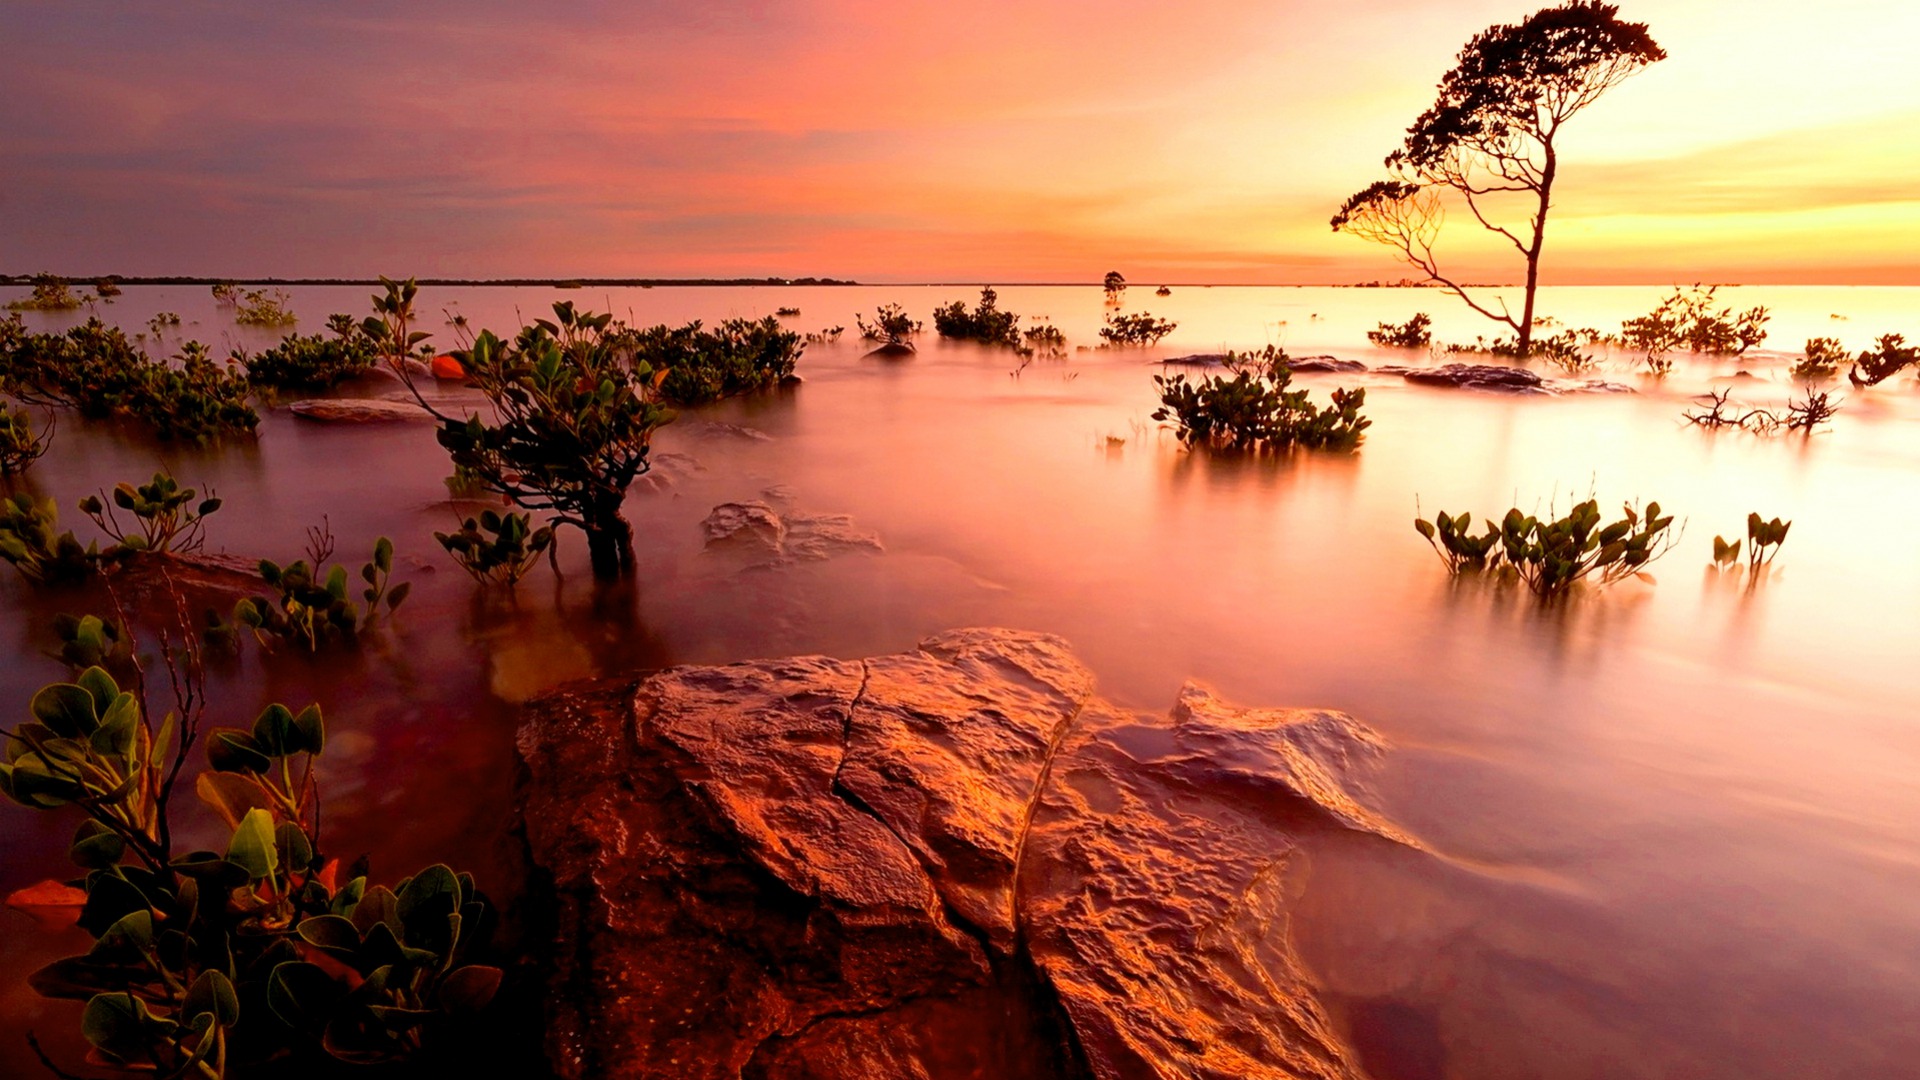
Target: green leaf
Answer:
pixel 252 846
pixel 95 846
pixel 468 989
pixel 331 933
pixel 303 995
pixel 119 1026
pixel 274 733
pixel 212 994
pixel 312 730
pixel 66 709
pixel 232 750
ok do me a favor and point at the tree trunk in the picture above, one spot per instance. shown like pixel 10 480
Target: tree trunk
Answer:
pixel 1533 252
pixel 609 541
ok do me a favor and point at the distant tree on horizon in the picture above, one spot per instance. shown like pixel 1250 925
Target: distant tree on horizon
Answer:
pixel 1491 139
pixel 1114 284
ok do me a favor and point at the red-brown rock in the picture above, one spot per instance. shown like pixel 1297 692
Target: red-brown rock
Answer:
pixel 953 862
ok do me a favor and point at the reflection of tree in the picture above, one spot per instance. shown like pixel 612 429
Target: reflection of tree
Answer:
pixel 1491 140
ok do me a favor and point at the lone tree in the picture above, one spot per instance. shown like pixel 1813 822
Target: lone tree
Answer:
pixel 1114 284
pixel 1492 139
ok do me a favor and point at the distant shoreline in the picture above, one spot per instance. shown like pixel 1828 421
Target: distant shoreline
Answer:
pixel 558 283
pixel 23 280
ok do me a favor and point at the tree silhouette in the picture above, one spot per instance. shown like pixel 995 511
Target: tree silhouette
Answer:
pixel 1114 285
pixel 1491 139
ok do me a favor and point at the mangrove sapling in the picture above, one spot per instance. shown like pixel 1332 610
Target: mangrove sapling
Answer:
pixel 1256 411
pixel 1553 555
pixel 20 444
pixel 1803 415
pixel 573 423
pixel 264 307
pixel 50 293
pixel 1688 319
pixel 1461 551
pixel 1763 543
pixel 286 970
pixel 986 323
pixel 826 336
pixel 314 608
pixel 1889 356
pixel 91 641
pixel 1138 330
pixel 891 325
pixel 313 362
pixel 163 512
pixel 1043 339
pixel 96 371
pixel 1415 333
pixel 497 547
pixel 788 312
pixel 106 289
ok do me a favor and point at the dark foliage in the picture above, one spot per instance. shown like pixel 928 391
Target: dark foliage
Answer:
pixel 695 366
pixel 1255 411
pixel 986 323
pixel 96 371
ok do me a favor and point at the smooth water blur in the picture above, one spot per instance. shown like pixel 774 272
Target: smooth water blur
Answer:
pixel 1677 825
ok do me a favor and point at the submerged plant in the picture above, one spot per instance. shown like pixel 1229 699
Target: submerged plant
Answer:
pixel 31 539
pixel 20 444
pixel 694 366
pixel 264 307
pixel 315 607
pixel 96 371
pixel 50 293
pixel 498 547
pixel 163 513
pixel 891 324
pixel 986 323
pixel 1763 543
pixel 1255 410
pixel 1804 415
pixel 1822 360
pixel 1688 319
pixel 1551 556
pixel 1137 330
pixel 1415 333
pixel 314 361
pixel 251 957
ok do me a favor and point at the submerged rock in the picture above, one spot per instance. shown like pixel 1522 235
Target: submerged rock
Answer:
pixel 951 862
pixel 892 350
pixel 759 532
pixel 1300 364
pixel 1500 378
pixel 358 411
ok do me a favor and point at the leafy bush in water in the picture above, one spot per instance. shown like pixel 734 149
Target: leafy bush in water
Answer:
pixel 1822 360
pixel 1415 333
pixel 50 293
pixel 206 963
pixel 163 512
pixel 986 323
pixel 1688 319
pixel 1763 543
pixel 264 307
pixel 1551 555
pixel 20 444
pixel 96 371
pixel 314 361
pixel 315 608
pixel 574 417
pixel 1115 286
pixel 737 357
pixel 891 323
pixel 30 539
pixel 497 547
pixel 1142 329
pixel 1255 411
pixel 1889 356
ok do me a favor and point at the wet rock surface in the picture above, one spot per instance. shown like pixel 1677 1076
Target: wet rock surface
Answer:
pixel 1499 378
pixel 359 411
pixel 952 862
pixel 764 535
pixel 1300 364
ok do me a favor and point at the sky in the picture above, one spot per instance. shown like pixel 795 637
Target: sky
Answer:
pixel 988 141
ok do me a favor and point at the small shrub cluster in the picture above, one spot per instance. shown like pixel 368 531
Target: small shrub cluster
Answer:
pixel 1564 350
pixel 256 307
pixel 1688 319
pixel 165 515
pixel 1255 411
pixel 253 957
pixel 1114 285
pixel 986 323
pixel 314 607
pixel 1551 556
pixel 32 541
pixel 1822 360
pixel 96 371
pixel 695 366
pixel 891 324
pixel 1415 333
pixel 1889 356
pixel 1138 330
pixel 50 293
pixel 497 547
pixel 313 361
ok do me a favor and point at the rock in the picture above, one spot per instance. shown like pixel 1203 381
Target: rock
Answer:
pixel 951 862
pixel 756 530
pixel 892 350
pixel 1511 380
pixel 358 411
pixel 719 431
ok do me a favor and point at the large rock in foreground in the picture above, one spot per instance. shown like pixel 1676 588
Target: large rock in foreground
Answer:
pixel 952 862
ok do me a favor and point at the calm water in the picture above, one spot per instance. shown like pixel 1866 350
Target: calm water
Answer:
pixel 1678 824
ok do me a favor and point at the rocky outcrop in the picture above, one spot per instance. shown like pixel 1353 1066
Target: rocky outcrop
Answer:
pixel 951 862
pixel 763 535
pixel 1499 379
pixel 359 411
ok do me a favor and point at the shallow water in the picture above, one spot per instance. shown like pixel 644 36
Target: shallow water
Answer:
pixel 1676 822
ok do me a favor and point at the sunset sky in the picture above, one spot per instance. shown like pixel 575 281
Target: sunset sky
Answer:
pixel 1003 140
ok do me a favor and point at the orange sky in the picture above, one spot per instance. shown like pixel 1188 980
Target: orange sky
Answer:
pixel 994 140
